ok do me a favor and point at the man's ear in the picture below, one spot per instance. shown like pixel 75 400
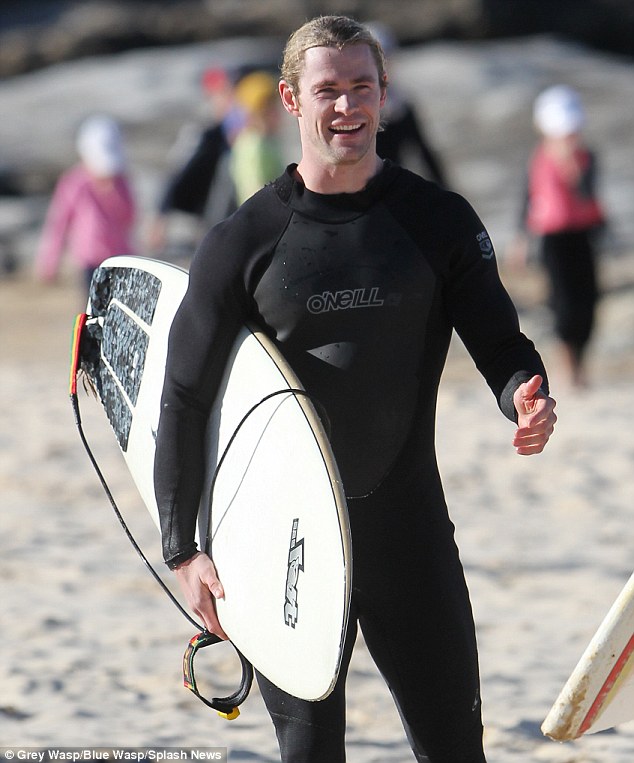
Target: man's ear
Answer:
pixel 289 100
pixel 384 90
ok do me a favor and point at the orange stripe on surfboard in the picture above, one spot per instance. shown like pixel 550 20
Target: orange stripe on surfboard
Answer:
pixel 78 327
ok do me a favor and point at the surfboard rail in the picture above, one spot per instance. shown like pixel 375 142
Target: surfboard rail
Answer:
pixel 600 691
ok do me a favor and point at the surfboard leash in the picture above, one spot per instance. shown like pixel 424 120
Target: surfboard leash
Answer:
pixel 295 392
pixel 226 707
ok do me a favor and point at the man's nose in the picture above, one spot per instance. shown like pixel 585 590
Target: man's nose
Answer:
pixel 345 103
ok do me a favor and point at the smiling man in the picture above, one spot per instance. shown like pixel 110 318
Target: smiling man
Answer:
pixel 342 92
pixel 359 271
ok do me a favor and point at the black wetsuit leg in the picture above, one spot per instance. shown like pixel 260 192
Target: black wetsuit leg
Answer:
pixel 311 732
pixel 416 618
pixel 411 600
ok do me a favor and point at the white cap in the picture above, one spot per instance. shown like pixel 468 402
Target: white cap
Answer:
pixel 100 146
pixel 558 112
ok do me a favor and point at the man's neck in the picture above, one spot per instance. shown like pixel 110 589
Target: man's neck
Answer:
pixel 339 178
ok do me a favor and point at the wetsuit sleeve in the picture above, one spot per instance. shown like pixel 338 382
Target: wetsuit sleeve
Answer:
pixel 200 339
pixel 216 305
pixel 483 314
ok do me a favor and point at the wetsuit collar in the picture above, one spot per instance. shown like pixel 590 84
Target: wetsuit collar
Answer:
pixel 337 206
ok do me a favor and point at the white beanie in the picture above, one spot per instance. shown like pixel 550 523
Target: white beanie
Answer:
pixel 100 146
pixel 558 112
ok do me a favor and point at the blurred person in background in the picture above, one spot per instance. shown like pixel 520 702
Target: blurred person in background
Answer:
pixel 562 210
pixel 401 137
pixel 256 157
pixel 92 211
pixel 201 186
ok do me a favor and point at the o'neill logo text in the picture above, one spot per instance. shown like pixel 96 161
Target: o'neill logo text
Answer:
pixel 486 247
pixel 295 566
pixel 345 299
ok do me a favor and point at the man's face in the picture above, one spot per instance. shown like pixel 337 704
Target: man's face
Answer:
pixel 338 105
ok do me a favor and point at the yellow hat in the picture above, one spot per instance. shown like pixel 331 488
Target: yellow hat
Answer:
pixel 255 91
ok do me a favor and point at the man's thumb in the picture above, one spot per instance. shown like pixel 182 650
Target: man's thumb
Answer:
pixel 529 389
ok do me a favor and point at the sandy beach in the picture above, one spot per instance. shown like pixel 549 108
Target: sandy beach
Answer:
pixel 91 648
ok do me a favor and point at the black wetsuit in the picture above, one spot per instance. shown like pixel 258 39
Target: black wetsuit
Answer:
pixel 361 293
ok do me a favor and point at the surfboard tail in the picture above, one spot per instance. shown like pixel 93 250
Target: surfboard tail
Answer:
pixel 600 691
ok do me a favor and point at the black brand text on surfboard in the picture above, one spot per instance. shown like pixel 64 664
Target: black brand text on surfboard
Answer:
pixel 295 566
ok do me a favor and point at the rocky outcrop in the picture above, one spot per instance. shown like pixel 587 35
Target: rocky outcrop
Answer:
pixel 35 33
pixel 603 24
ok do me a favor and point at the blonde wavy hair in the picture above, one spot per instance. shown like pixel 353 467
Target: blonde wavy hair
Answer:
pixel 327 32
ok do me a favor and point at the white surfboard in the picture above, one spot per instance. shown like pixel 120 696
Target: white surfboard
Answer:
pixel 600 691
pixel 274 518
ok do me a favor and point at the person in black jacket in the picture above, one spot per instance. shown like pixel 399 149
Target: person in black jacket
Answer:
pixel 359 271
pixel 201 186
pixel 401 137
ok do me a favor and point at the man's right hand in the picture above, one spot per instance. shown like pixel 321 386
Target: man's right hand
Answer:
pixel 199 582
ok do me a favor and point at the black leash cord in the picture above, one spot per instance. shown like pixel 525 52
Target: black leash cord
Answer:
pixel 265 399
pixel 104 485
pixel 75 404
pixel 225 706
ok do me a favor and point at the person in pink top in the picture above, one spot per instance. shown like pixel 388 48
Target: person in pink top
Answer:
pixel 563 212
pixel 92 210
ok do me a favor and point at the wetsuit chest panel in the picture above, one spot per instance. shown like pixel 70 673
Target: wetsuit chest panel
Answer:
pixel 348 304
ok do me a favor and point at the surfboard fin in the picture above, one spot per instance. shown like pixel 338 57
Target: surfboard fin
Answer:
pixel 226 707
pixel 84 355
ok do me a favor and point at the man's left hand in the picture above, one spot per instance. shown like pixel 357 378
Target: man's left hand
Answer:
pixel 535 417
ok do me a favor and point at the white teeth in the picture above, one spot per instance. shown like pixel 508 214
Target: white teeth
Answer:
pixel 346 128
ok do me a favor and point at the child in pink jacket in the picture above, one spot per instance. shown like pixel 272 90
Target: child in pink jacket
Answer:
pixel 563 212
pixel 92 210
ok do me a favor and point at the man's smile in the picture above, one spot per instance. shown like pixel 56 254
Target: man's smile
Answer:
pixel 346 128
